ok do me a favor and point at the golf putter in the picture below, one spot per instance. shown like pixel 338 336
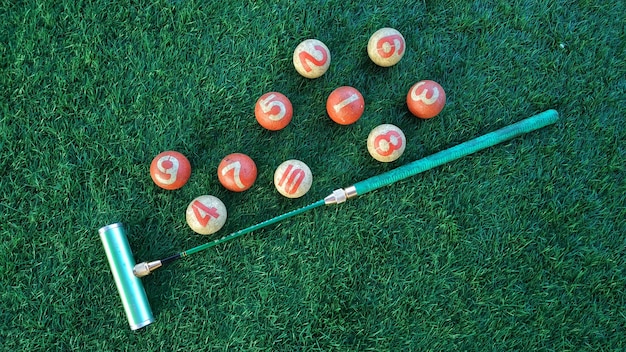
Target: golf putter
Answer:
pixel 127 274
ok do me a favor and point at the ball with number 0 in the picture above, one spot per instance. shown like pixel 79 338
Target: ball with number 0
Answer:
pixel 273 111
pixel 386 143
pixel 170 170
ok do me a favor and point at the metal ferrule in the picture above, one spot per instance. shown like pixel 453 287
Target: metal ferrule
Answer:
pixel 131 290
pixel 340 195
pixel 145 268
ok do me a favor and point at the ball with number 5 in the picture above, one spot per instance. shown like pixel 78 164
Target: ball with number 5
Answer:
pixel 206 214
pixel 426 99
pixel 237 172
pixel 273 111
pixel 386 143
pixel 170 170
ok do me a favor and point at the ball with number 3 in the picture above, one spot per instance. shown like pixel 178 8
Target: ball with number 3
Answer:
pixel 273 111
pixel 237 172
pixel 170 170
pixel 426 99
pixel 386 143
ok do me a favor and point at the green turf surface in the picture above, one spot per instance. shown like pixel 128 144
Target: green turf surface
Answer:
pixel 519 247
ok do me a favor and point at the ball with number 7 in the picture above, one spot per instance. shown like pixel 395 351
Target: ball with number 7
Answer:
pixel 273 111
pixel 237 172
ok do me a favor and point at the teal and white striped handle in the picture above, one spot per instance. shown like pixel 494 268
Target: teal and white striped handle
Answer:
pixel 527 125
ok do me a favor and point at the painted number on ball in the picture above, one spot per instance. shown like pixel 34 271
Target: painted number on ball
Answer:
pixel 168 168
pixel 394 44
pixel 269 103
pixel 236 167
pixel 293 177
pixel 305 57
pixel 348 101
pixel 204 213
pixel 423 95
pixel 392 141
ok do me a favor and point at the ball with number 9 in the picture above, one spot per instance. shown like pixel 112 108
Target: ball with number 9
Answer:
pixel 170 170
pixel 273 111
pixel 426 99
pixel 237 172
pixel 386 143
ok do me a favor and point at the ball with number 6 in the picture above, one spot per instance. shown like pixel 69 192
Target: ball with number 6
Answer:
pixel 170 170
pixel 273 111
pixel 386 47
pixel 206 214
pixel 237 172
pixel 426 99
pixel 293 178
pixel 386 143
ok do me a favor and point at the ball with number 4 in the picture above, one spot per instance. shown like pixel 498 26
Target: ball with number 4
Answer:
pixel 426 99
pixel 386 143
pixel 386 47
pixel 293 178
pixel 311 58
pixel 170 170
pixel 206 214
pixel 345 105
pixel 273 111
pixel 237 172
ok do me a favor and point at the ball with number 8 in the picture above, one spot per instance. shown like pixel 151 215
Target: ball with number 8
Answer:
pixel 426 99
pixel 273 111
pixel 170 170
pixel 386 143
pixel 206 214
pixel 237 172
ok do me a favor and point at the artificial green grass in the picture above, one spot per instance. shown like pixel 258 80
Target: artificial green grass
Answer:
pixel 518 247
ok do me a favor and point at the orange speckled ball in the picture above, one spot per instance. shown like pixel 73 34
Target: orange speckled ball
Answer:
pixel 345 105
pixel 170 170
pixel 426 99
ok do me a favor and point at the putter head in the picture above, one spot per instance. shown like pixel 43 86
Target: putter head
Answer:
pixel 129 286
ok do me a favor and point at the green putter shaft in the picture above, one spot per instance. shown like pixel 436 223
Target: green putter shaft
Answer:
pixel 341 195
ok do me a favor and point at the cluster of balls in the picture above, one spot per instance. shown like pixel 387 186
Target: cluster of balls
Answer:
pixel 237 172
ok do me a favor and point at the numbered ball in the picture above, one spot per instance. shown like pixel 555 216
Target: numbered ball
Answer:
pixel 273 111
pixel 293 178
pixel 311 58
pixel 386 143
pixel 386 47
pixel 170 170
pixel 426 99
pixel 345 105
pixel 237 172
pixel 206 215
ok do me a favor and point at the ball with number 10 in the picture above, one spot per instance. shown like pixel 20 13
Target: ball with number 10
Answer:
pixel 293 178
pixel 273 111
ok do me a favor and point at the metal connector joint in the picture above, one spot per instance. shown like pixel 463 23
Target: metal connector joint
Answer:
pixel 145 268
pixel 338 196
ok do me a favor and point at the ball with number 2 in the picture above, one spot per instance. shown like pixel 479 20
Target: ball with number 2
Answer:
pixel 170 170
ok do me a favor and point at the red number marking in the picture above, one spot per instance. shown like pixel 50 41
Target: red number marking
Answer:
pixel 204 213
pixel 305 56
pixel 295 179
pixel 394 142
pixel 395 42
